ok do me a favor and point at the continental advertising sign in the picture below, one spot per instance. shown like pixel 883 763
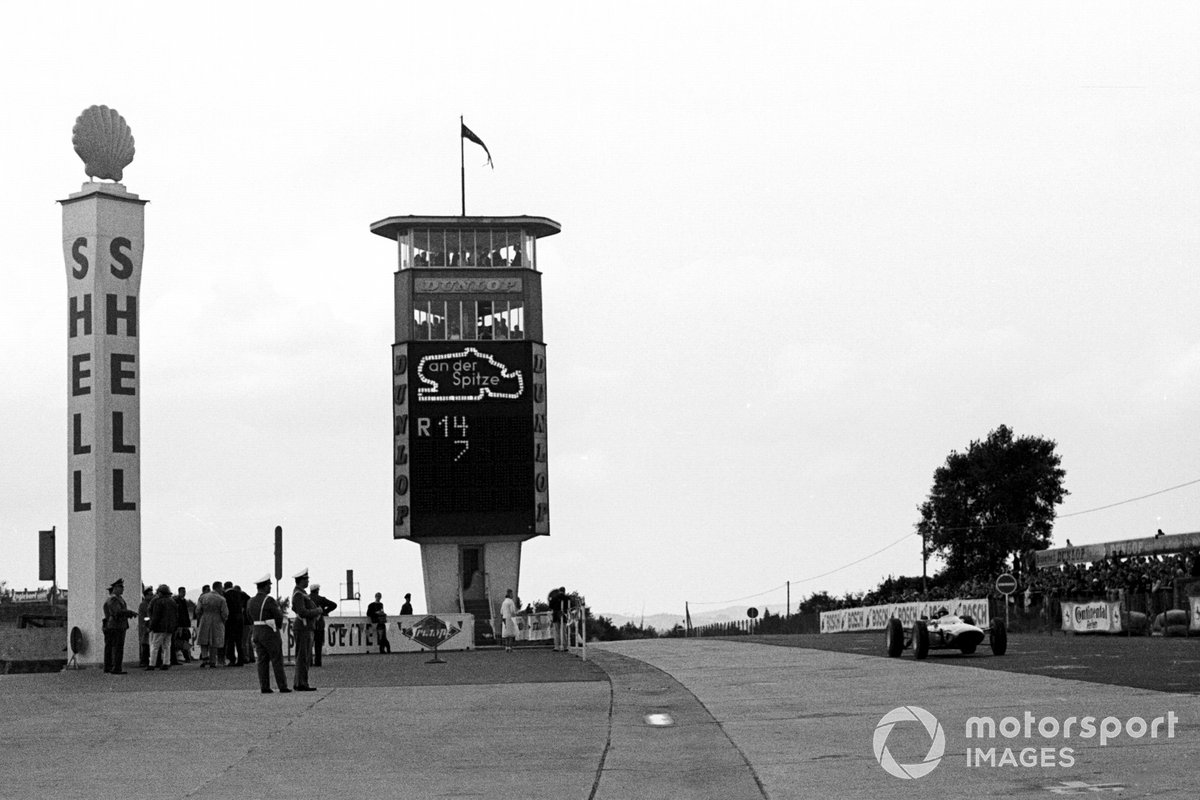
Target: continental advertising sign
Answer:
pixel 1098 616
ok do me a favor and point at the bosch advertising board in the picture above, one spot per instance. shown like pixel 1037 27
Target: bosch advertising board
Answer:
pixel 470 439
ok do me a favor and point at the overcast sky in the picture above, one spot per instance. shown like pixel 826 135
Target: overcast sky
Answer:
pixel 807 250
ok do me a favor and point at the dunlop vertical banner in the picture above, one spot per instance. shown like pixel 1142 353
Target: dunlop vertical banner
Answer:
pixel 401 470
pixel 541 479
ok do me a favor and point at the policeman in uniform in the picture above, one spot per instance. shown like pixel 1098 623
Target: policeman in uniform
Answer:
pixel 306 612
pixel 115 625
pixel 267 618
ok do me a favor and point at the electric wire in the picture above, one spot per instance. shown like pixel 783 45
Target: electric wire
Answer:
pixel 1130 500
pixel 914 533
pixel 739 599
pixel 805 580
pixel 859 561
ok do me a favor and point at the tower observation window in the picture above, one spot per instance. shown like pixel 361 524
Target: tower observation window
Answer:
pixel 466 248
pixel 468 320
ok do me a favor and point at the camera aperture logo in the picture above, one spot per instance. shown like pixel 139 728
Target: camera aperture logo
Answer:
pixel 1057 735
pixel 937 742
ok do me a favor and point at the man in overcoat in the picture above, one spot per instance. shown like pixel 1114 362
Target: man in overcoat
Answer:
pixel 211 613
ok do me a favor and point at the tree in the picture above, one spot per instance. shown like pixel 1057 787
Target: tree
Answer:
pixel 992 502
pixel 601 629
pixel 817 602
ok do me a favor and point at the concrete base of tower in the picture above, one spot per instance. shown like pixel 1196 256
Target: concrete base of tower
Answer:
pixel 470 574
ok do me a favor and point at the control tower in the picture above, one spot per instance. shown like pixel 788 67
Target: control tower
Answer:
pixel 469 403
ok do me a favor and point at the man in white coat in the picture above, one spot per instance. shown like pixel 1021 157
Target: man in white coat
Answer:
pixel 508 613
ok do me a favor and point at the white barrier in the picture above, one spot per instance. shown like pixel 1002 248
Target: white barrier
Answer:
pixel 534 626
pixel 345 635
pixel 1096 616
pixel 577 631
pixel 875 618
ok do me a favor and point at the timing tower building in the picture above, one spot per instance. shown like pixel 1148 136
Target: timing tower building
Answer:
pixel 470 479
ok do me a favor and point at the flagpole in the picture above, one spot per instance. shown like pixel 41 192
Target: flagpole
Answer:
pixel 462 166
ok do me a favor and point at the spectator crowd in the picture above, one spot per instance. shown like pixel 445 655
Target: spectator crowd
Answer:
pixel 1112 578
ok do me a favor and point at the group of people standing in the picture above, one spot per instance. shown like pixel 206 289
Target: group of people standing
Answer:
pixel 230 626
pixel 378 617
pixel 559 604
pixel 164 627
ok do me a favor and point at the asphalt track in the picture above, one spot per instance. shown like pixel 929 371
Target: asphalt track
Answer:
pixel 691 719
pixel 1141 662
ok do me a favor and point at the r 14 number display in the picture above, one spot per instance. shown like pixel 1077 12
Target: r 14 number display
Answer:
pixel 449 428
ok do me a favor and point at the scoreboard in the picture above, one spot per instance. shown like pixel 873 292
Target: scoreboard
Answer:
pixel 470 439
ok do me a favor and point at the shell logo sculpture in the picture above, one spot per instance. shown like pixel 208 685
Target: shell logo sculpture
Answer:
pixel 104 141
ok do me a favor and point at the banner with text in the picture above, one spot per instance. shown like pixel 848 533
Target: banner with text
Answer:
pixel 407 634
pixel 875 618
pixel 534 626
pixel 1097 616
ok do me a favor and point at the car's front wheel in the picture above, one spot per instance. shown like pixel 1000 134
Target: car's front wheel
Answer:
pixel 998 638
pixel 920 639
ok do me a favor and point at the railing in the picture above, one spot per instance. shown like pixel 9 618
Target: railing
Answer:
pixel 1044 614
pixel 734 628
pixel 808 622
pixel 492 608
pixel 576 633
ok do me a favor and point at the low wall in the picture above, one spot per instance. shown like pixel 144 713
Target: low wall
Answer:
pixel 346 635
pixel 32 649
pixel 875 618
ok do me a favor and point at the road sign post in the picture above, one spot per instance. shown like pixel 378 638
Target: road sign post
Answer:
pixel 1006 584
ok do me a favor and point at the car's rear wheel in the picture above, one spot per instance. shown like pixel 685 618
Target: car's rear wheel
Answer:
pixel 895 638
pixel 920 639
pixel 998 638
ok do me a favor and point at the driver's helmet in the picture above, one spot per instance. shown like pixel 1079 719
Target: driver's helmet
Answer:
pixel 941 612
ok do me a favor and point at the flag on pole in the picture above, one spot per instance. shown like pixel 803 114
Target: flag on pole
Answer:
pixel 687 613
pixel 468 134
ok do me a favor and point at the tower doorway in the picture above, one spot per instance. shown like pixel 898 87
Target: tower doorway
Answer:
pixel 471 571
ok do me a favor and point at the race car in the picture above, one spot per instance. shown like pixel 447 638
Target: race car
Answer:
pixel 945 631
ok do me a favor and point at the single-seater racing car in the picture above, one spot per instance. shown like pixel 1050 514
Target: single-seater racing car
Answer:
pixel 945 631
